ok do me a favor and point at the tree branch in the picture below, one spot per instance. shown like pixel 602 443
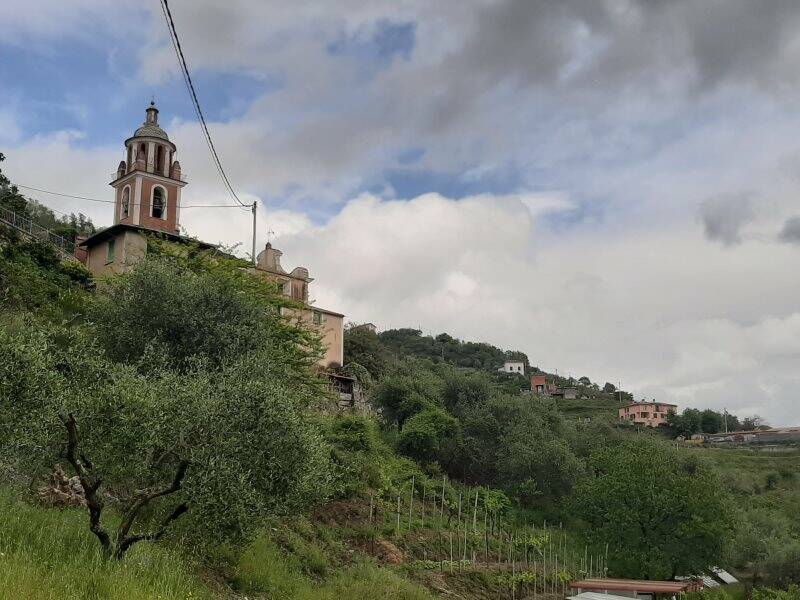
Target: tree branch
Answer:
pixel 144 497
pixel 90 483
pixel 124 545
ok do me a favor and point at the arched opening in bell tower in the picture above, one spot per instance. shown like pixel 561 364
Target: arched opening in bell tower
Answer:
pixel 158 206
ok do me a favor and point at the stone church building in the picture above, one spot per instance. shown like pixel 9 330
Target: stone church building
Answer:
pixel 147 200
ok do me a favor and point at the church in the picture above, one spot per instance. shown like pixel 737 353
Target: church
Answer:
pixel 147 200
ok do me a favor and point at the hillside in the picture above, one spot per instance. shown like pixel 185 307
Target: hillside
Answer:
pixel 377 351
pixel 182 376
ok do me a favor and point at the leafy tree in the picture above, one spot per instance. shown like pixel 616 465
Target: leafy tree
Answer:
pixel 197 312
pixel 473 455
pixel 662 512
pixel 754 422
pixel 444 348
pixel 363 346
pixel 792 592
pixel 67 226
pixel 534 455
pixel 354 432
pixel 710 421
pixel 609 388
pixel 33 276
pixel 235 442
pixel 686 424
pixel 781 565
pixel 464 389
pixel 424 434
pixel 10 197
pixel 401 396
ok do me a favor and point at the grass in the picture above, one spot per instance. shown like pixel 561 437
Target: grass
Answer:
pixel 48 554
pixel 598 408
pixel 266 569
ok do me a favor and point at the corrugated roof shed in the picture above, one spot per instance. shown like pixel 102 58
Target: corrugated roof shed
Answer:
pixel 634 585
pixel 597 596
pixel 724 576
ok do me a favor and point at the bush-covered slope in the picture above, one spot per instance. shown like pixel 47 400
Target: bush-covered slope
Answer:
pixel 215 461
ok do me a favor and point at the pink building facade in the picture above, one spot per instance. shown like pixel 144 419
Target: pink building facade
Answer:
pixel 647 414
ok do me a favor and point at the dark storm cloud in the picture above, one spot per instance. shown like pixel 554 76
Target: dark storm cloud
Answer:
pixel 724 216
pixel 606 41
pixel 791 231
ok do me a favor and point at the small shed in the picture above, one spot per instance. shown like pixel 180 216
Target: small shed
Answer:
pixel 633 588
pixel 596 596
pixel 723 576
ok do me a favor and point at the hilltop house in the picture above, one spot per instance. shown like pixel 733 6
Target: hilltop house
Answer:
pixel 647 414
pixel 513 368
pixel 540 385
pixel 147 200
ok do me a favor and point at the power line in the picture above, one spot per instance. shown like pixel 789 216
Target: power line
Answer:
pixel 27 187
pixel 187 78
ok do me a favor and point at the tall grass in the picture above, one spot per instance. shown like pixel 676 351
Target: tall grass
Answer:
pixel 48 554
pixel 265 569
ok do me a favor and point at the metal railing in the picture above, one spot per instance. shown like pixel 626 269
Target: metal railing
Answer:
pixel 33 230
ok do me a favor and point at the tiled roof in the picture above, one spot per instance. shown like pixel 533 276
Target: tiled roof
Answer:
pixel 150 130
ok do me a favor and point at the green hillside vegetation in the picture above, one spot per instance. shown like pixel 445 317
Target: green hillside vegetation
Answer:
pixel 382 351
pixel 215 464
pixel 765 486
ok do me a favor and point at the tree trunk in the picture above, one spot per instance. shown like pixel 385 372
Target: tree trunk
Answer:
pixel 123 540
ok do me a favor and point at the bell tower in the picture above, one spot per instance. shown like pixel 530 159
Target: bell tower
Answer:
pixel 148 182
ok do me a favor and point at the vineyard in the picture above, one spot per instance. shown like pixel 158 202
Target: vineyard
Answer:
pixel 461 532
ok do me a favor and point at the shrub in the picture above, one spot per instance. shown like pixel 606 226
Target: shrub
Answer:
pixel 771 481
pixel 661 512
pixel 355 433
pixel 251 449
pixel 781 566
pixel 424 434
pixel 197 312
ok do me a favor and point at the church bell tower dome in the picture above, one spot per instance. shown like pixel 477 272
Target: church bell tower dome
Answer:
pixel 150 127
pixel 148 182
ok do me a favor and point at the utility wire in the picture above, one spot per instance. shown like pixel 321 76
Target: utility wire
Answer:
pixel 26 187
pixel 187 78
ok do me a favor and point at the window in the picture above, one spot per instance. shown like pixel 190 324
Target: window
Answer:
pixel 160 159
pixel 126 203
pixel 110 251
pixel 317 318
pixel 158 209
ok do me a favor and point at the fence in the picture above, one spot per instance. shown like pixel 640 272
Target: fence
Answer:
pixel 28 227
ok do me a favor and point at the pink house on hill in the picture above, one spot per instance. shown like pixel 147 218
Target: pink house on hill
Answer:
pixel 647 414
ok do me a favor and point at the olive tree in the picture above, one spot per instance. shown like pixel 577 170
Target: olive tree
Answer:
pixel 182 398
pixel 222 450
pixel 661 512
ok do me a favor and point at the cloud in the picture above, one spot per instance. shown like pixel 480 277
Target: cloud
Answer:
pixel 654 310
pixel 791 231
pixel 566 146
pixel 724 217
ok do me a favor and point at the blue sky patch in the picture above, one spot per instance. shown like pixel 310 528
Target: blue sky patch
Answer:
pixel 386 41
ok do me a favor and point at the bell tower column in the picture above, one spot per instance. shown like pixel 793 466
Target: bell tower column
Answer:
pixel 148 183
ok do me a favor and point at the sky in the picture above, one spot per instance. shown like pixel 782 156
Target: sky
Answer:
pixel 610 186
